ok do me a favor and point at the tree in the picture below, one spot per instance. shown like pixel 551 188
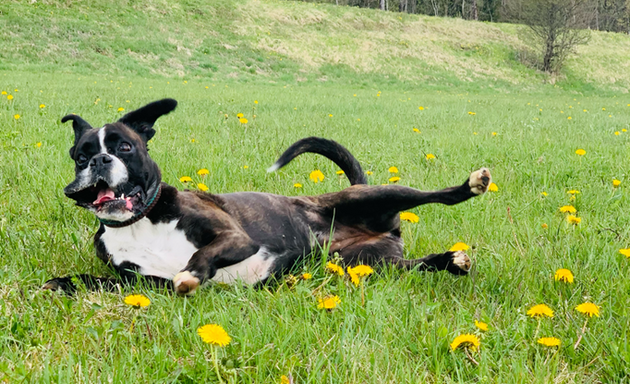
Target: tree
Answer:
pixel 556 28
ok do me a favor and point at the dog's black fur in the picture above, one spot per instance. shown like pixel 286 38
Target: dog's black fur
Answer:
pixel 182 239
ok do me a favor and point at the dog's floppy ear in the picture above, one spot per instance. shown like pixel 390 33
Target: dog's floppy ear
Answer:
pixel 79 125
pixel 141 120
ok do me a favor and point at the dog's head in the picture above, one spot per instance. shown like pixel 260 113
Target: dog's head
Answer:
pixel 115 177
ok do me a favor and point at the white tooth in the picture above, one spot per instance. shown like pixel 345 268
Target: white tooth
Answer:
pixel 122 196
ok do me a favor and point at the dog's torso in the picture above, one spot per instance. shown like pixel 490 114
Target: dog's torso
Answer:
pixel 181 223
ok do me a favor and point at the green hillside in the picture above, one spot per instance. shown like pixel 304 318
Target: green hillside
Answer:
pixel 283 41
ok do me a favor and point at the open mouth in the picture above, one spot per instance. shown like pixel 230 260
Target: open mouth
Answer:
pixel 101 196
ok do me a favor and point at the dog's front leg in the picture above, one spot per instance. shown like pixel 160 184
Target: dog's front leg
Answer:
pixel 68 284
pixel 229 248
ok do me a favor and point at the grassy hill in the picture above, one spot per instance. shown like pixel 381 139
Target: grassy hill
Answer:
pixel 288 42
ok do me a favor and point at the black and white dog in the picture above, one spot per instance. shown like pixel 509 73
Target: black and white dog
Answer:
pixel 183 239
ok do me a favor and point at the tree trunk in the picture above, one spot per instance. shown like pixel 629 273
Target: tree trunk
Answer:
pixel 475 13
pixel 463 5
pixel 382 5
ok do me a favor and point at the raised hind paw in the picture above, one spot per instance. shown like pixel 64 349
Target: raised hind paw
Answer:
pixel 479 181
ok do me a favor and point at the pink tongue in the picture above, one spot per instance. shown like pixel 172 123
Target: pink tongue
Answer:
pixel 103 196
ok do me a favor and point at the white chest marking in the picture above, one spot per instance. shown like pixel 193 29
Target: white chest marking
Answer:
pixel 158 249
pixel 255 268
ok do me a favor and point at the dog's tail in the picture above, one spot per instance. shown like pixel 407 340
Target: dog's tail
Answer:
pixel 327 148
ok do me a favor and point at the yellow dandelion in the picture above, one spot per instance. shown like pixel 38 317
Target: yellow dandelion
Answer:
pixel 39 145
pixel 255 101
pixel 329 302
pixel 42 106
pixel 214 334
pixel 203 172
pixel 564 275
pixel 481 325
pixel 4 92
pixel 297 185
pixel 409 216
pixel 330 115
pixel 334 268
pixel 359 271
pixel 625 252
pixel 340 172
pixel 588 309
pixel 580 152
pixel 494 133
pixel 416 130
pixel 459 247
pixel 624 130
pixel 354 278
pixel 10 97
pixel 540 310
pixel 369 173
pixel 569 118
pixel 549 341
pixel 137 301
pixel 603 109
pixel 245 166
pixel 316 176
pixel 284 379
pixel 568 209
pixel 471 113
pixel 239 115
pixel 242 120
pixel 362 270
pixel 466 341
pixel 616 183
pixel 185 179
pixel 430 156
pixel 493 187
pixel 544 226
pixel 202 187
pixel 121 109
pixel 544 194
pixel 572 219
pixel 306 276
pixel 573 192
pixel 16 116
pixel 617 133
pixel 421 108
pixel 393 170
pixel 394 179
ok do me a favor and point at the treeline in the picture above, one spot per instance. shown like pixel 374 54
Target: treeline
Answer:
pixel 603 15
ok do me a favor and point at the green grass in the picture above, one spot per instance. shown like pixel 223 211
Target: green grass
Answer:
pixel 92 58
pixel 402 334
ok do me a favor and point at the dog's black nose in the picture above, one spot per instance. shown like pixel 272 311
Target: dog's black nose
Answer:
pixel 101 159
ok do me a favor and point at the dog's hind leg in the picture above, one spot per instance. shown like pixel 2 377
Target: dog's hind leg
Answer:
pixel 457 263
pixel 361 204
pixel 389 250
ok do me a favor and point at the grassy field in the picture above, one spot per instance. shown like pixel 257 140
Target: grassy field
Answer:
pixel 526 134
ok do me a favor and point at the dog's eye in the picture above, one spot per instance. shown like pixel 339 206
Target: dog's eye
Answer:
pixel 81 159
pixel 124 147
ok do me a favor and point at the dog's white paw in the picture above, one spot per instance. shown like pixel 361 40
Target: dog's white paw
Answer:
pixel 461 261
pixel 185 283
pixel 479 181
